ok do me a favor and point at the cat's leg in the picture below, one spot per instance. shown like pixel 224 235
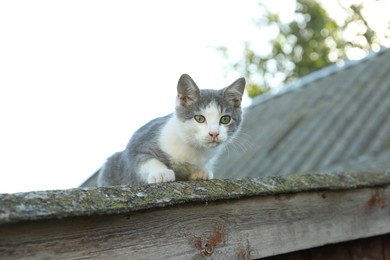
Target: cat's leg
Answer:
pixel 202 174
pixel 111 172
pixel 154 171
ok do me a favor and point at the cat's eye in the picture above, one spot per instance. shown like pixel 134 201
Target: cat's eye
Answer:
pixel 225 120
pixel 200 118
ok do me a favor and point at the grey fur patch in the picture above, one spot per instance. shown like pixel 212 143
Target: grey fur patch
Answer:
pixel 122 167
pixel 187 90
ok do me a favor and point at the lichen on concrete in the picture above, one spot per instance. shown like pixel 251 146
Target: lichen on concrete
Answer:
pixel 125 199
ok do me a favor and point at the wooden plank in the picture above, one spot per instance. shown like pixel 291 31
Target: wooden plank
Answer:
pixel 234 229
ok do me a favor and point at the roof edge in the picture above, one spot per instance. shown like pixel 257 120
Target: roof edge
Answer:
pixel 314 76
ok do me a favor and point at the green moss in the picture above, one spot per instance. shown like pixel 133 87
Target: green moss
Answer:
pixel 125 199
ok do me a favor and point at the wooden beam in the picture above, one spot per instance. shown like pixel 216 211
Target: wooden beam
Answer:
pixel 243 228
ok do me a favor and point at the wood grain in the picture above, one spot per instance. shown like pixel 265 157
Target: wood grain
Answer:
pixel 233 229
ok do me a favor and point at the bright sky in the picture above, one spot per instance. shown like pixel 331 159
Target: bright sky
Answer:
pixel 77 78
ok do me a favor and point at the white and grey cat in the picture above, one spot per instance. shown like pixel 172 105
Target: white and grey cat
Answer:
pixel 181 145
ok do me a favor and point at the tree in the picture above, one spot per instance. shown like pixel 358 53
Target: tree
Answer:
pixel 310 42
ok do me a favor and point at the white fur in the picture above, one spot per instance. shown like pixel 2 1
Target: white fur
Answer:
pixel 204 174
pixel 154 171
pixel 190 141
pixel 212 124
pixel 173 141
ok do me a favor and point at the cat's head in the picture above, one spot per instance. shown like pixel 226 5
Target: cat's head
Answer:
pixel 208 117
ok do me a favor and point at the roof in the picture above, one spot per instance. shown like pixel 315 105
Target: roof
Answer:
pixel 333 119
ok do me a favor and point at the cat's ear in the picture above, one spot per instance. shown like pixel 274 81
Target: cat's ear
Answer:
pixel 187 91
pixel 234 92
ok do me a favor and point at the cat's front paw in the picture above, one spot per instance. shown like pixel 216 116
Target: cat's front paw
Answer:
pixel 202 174
pixel 165 175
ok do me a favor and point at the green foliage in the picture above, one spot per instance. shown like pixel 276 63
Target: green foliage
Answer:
pixel 254 90
pixel 310 42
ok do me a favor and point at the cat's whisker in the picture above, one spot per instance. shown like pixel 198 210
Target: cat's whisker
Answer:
pixel 226 149
pixel 245 139
pixel 240 143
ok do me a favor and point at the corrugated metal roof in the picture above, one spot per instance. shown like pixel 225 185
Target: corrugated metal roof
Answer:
pixel 333 120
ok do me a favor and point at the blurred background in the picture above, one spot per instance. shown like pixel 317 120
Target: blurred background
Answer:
pixel 77 78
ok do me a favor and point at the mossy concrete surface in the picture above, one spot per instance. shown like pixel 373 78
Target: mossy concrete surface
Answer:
pixel 124 199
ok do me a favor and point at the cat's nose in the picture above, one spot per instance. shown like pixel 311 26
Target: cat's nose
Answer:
pixel 214 134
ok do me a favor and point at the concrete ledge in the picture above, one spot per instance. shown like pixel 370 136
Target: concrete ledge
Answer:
pixel 58 204
pixel 217 219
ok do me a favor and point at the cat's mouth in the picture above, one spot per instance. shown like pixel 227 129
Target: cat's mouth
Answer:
pixel 213 143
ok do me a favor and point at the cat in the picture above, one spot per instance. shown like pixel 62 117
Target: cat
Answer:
pixel 181 145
